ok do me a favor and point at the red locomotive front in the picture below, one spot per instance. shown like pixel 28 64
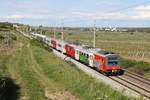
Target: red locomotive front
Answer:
pixel 108 64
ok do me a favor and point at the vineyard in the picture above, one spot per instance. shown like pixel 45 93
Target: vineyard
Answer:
pixel 134 46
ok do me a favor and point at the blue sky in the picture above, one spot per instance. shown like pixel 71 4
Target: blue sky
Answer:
pixel 77 13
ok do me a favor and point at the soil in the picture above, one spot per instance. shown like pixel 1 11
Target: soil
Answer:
pixel 63 95
pixel 10 49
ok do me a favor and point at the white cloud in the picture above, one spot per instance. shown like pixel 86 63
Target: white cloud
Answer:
pixel 142 15
pixel 14 17
pixel 99 15
pixel 143 7
pixel 106 3
pixel 141 12
pixel 28 15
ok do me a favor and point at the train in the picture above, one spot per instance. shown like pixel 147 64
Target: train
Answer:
pixel 105 62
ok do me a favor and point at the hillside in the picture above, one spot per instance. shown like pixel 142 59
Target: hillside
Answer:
pixel 36 74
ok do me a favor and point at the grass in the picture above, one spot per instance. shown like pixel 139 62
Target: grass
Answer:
pixel 139 67
pixel 36 70
pixel 3 67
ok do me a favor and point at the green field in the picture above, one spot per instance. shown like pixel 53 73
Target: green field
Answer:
pixel 42 76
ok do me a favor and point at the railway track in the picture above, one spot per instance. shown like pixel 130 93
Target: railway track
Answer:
pixel 137 77
pixel 134 82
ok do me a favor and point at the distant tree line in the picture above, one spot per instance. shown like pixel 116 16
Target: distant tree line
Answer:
pixel 139 30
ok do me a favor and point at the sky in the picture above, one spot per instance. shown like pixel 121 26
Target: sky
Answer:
pixel 77 13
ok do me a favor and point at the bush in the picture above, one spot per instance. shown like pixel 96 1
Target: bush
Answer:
pixel 2 37
pixel 13 37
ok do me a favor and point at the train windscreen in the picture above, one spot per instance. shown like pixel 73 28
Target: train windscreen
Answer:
pixel 113 61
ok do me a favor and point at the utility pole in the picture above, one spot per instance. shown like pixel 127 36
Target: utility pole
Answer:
pixel 62 33
pixel 94 32
pixel 54 32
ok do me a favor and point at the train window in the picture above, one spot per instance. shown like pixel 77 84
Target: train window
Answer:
pixel 76 51
pixel 87 56
pixel 59 45
pixel 113 58
pixel 113 62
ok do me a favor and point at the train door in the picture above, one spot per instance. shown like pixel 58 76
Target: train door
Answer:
pixel 49 43
pixel 63 48
pixel 99 63
pixel 54 45
pixel 77 54
pixel 91 60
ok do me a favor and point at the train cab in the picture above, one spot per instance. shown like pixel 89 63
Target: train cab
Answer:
pixel 108 63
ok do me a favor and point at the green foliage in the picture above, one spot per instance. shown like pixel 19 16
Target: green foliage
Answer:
pixel 69 33
pixel 3 65
pixel 144 66
pixel 1 36
pixel 59 33
pixel 5 26
pixel 13 37
pixel 139 30
pixel 39 43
